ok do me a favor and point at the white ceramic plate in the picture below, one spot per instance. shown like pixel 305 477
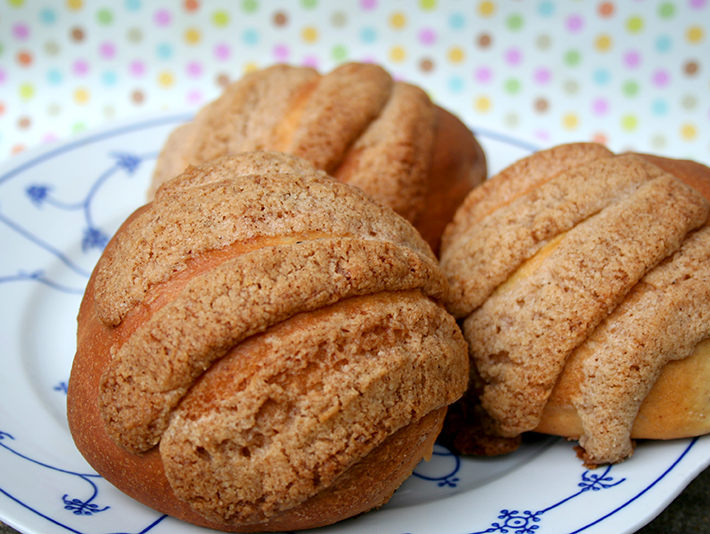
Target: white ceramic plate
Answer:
pixel 59 205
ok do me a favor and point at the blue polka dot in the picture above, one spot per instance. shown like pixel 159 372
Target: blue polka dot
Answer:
pixel 602 77
pixel 659 107
pixel 368 35
pixel 457 21
pixel 663 43
pixel 456 84
pixel 54 77
pixel 545 9
pixel 133 5
pixel 48 16
pixel 164 50
pixel 250 37
pixel 109 78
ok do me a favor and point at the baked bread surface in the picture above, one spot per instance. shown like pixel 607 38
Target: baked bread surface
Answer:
pixel 255 337
pixel 356 123
pixel 575 293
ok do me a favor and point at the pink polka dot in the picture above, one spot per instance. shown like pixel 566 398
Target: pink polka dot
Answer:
pixel 20 31
pixel 310 61
pixel 575 23
pixel 513 56
pixel 483 74
pixel 661 78
pixel 137 68
pixel 222 51
pixel 632 59
pixel 600 106
pixel 427 36
pixel 162 17
pixel 543 135
pixel 542 76
pixel 194 69
pixel 3 76
pixel 281 52
pixel 368 4
pixel 698 4
pixel 194 97
pixel 50 137
pixel 80 67
pixel 107 50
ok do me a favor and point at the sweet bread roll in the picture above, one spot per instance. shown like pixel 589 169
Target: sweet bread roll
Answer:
pixel 262 348
pixel 355 123
pixel 582 279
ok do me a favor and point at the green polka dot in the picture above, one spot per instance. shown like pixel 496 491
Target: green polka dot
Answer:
pixel 573 58
pixel 309 4
pixel 629 122
pixel 16 3
pixel 513 86
pixel 105 17
pixel 339 52
pixel 249 6
pixel 27 91
pixel 514 22
pixel 666 10
pixel 428 4
pixel 220 18
pixel 634 24
pixel 630 88
pixel 78 127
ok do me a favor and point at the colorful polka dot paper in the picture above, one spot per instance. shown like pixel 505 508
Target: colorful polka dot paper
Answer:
pixel 632 74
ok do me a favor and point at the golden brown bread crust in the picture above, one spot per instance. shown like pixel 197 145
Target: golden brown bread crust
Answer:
pixel 580 323
pixel 242 353
pixel 355 123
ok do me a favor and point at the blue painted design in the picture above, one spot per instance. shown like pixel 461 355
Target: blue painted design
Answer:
pixel 525 522
pixel 62 387
pixel 449 478
pixel 78 507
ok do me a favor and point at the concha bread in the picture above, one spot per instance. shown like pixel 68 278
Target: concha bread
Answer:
pixel 582 281
pixel 262 348
pixel 355 123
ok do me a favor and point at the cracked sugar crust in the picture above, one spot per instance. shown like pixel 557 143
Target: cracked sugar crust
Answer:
pixel 521 336
pixel 289 411
pixel 391 159
pixel 214 206
pixel 665 316
pixel 243 119
pixel 494 247
pixel 153 369
pixel 355 123
pixel 515 181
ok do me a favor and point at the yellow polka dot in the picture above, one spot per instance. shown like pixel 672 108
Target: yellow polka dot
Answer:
pixel 398 54
pixel 629 122
pixel 427 4
pixel 688 132
pixel 250 67
pixel 603 42
pixel 309 34
pixel 27 91
pixel 16 3
pixel 166 79
pixel 398 20
pixel 486 9
pixel 220 18
pixel 82 95
pixel 694 34
pixel 483 104
pixel 456 55
pixel 193 36
pixel 75 4
pixel 570 121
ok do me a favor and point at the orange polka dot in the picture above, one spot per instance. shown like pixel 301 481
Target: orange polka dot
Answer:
pixel 191 5
pixel 2 108
pixel 17 149
pixel 600 138
pixel 24 58
pixel 606 9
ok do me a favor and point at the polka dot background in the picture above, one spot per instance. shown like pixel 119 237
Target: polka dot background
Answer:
pixel 634 74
